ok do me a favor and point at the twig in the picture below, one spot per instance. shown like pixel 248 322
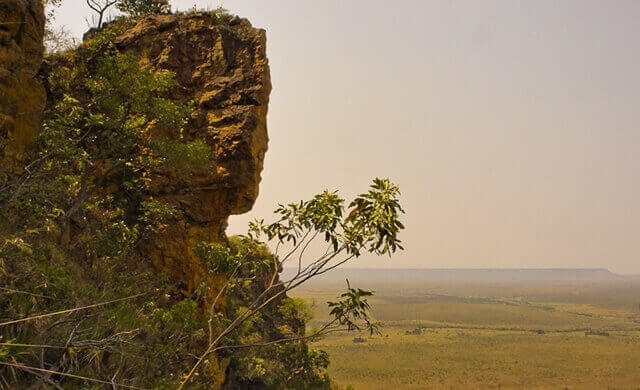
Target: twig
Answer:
pixel 24 292
pixel 324 331
pixel 27 368
pixel 213 305
pixel 304 249
pixel 69 310
pixel 43 378
pixel 32 345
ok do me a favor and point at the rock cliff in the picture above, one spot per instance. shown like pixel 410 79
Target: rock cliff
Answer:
pixel 222 67
pixel 22 98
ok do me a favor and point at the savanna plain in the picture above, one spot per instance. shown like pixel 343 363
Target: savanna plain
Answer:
pixel 466 334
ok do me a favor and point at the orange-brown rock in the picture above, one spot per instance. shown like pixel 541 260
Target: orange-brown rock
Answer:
pixel 221 66
pixel 22 98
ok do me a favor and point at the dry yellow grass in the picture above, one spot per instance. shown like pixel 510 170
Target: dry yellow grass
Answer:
pixel 487 343
pixel 470 359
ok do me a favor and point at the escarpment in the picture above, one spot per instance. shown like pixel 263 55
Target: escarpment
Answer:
pixel 22 98
pixel 223 69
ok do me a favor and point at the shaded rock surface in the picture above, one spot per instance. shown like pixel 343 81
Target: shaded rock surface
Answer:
pixel 223 69
pixel 22 98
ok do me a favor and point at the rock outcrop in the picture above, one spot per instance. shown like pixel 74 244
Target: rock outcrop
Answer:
pixel 222 67
pixel 22 98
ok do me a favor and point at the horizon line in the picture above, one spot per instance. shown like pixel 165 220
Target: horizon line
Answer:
pixel 477 269
pixel 565 269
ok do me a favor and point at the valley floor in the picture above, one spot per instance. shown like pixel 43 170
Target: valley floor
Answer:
pixel 480 337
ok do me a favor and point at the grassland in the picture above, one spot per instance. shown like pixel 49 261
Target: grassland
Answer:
pixel 487 336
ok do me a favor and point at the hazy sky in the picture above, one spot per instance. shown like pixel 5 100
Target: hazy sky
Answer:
pixel 512 127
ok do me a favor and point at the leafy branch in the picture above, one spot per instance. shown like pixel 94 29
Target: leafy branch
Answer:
pixel 371 226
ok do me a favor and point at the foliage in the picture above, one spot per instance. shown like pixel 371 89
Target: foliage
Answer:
pixel 155 214
pixel 352 309
pixel 217 257
pixel 184 157
pixel 249 258
pixel 220 14
pixel 372 224
pixel 116 241
pixel 289 364
pixel 149 334
pixel 137 8
pixel 284 366
pixel 296 310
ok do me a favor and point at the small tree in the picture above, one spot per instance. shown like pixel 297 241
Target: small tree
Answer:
pixel 100 7
pixel 58 39
pixel 371 226
pixel 137 8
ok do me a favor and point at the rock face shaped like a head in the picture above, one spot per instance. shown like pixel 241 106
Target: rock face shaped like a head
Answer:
pixel 224 68
pixel 22 98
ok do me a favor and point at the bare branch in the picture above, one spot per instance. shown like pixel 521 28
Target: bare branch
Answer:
pixel 100 7
pixel 28 368
pixel 24 292
pixel 326 329
pixel 69 310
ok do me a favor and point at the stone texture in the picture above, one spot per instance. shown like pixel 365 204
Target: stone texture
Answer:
pixel 223 68
pixel 22 98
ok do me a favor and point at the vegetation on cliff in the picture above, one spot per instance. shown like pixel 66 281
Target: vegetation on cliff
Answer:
pixel 110 275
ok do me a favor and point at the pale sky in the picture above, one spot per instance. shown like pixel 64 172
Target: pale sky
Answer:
pixel 512 127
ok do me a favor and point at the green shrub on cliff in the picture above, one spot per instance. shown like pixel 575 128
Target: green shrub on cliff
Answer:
pixel 137 8
pixel 98 148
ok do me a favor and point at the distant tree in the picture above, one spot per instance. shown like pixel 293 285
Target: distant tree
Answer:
pixel 137 8
pixel 100 7
pixel 57 39
pixel 53 3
